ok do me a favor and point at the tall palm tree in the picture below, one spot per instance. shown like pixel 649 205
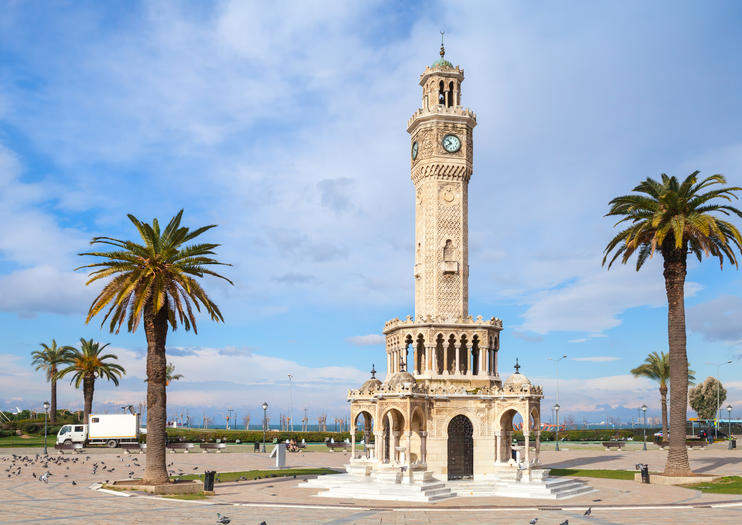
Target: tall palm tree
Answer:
pixel 88 364
pixel 657 367
pixel 676 218
pixel 49 359
pixel 154 283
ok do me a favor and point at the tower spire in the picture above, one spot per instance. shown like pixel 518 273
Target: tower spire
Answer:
pixel 443 49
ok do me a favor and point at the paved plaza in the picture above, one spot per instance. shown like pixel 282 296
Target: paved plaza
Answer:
pixel 25 499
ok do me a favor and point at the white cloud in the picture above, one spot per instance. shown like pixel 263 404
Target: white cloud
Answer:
pixel 597 359
pixel 579 340
pixel 367 340
pixel 45 289
pixel 596 299
pixel 718 319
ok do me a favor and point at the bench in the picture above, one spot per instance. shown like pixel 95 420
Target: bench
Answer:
pixel 696 444
pixel 218 447
pixel 74 447
pixel 614 444
pixel 172 447
pixel 128 447
pixel 342 445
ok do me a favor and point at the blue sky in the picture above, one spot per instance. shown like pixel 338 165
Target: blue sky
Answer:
pixel 286 127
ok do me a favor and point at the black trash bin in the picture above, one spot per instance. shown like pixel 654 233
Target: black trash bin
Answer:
pixel 256 447
pixel 209 476
pixel 732 444
pixel 644 468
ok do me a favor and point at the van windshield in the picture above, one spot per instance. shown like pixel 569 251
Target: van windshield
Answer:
pixel 65 429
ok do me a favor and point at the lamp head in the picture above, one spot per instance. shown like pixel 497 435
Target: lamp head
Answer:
pixel 46 406
pixel 644 408
pixel 729 408
pixel 557 407
pixel 265 406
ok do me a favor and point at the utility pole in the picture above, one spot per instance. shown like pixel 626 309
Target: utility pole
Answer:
pixel 291 401
pixel 717 412
pixel 229 414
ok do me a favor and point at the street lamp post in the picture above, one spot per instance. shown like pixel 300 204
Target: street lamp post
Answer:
pixel 265 422
pixel 556 411
pixel 46 410
pixel 729 420
pixel 644 409
pixel 718 404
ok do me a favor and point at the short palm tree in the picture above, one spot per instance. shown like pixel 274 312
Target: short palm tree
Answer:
pixel 676 218
pixel 88 364
pixel 49 359
pixel 155 283
pixel 170 375
pixel 657 367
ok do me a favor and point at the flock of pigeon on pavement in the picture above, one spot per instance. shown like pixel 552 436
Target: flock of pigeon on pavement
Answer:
pixel 44 467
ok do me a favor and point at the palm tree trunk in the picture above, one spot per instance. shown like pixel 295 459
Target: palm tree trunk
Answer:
pixel 53 407
pixel 674 272
pixel 155 327
pixel 88 386
pixel 663 399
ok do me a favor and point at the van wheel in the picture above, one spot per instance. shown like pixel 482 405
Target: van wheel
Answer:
pixel 67 441
pixel 111 443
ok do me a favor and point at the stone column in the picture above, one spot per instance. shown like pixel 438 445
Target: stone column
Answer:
pixel 445 359
pixel 498 444
pixel 481 370
pixel 352 443
pixel 393 440
pixel 469 370
pixel 527 437
pixel 409 453
pixel 538 445
pixel 429 359
pixel 423 447
pixel 458 356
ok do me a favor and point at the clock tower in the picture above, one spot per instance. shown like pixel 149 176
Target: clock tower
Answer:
pixel 441 165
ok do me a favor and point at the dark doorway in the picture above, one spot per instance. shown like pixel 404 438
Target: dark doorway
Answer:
pixel 460 448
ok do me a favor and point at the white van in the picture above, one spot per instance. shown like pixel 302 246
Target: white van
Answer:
pixel 104 429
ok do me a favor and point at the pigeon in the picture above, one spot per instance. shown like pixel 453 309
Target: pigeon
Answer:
pixel 33 474
pixel 74 482
pixel 224 520
pixel 533 521
pixel 588 512
pixel 45 477
pixel 565 522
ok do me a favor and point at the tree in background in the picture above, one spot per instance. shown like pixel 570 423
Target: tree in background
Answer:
pixel 676 218
pixel 155 283
pixel 49 359
pixel 88 364
pixel 657 367
pixel 703 398
pixel 169 375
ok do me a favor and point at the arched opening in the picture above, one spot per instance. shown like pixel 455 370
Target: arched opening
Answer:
pixel 460 448
pixel 441 94
pixel 450 94
pixel 464 355
pixel 417 437
pixel 475 355
pixel 366 426
pixel 451 361
pixel 448 254
pixel 439 358
pixel 509 421
pixel 392 426
pixel 404 361
pixel 420 355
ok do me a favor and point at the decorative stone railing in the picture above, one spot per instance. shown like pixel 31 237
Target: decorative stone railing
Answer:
pixel 434 319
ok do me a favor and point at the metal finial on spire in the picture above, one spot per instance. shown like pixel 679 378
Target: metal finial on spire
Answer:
pixel 373 371
pixel 443 49
pixel 517 366
pixel 402 365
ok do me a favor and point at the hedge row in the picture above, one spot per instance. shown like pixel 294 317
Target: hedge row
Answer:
pixel 598 434
pixel 250 436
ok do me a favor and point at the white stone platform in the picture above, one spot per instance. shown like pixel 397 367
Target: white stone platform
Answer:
pixel 392 483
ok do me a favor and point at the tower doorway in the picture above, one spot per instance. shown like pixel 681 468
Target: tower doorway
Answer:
pixel 460 448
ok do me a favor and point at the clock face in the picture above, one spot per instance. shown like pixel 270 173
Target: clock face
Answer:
pixel 451 143
pixel 414 150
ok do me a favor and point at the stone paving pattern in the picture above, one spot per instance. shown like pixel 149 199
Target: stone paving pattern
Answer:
pixel 25 499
